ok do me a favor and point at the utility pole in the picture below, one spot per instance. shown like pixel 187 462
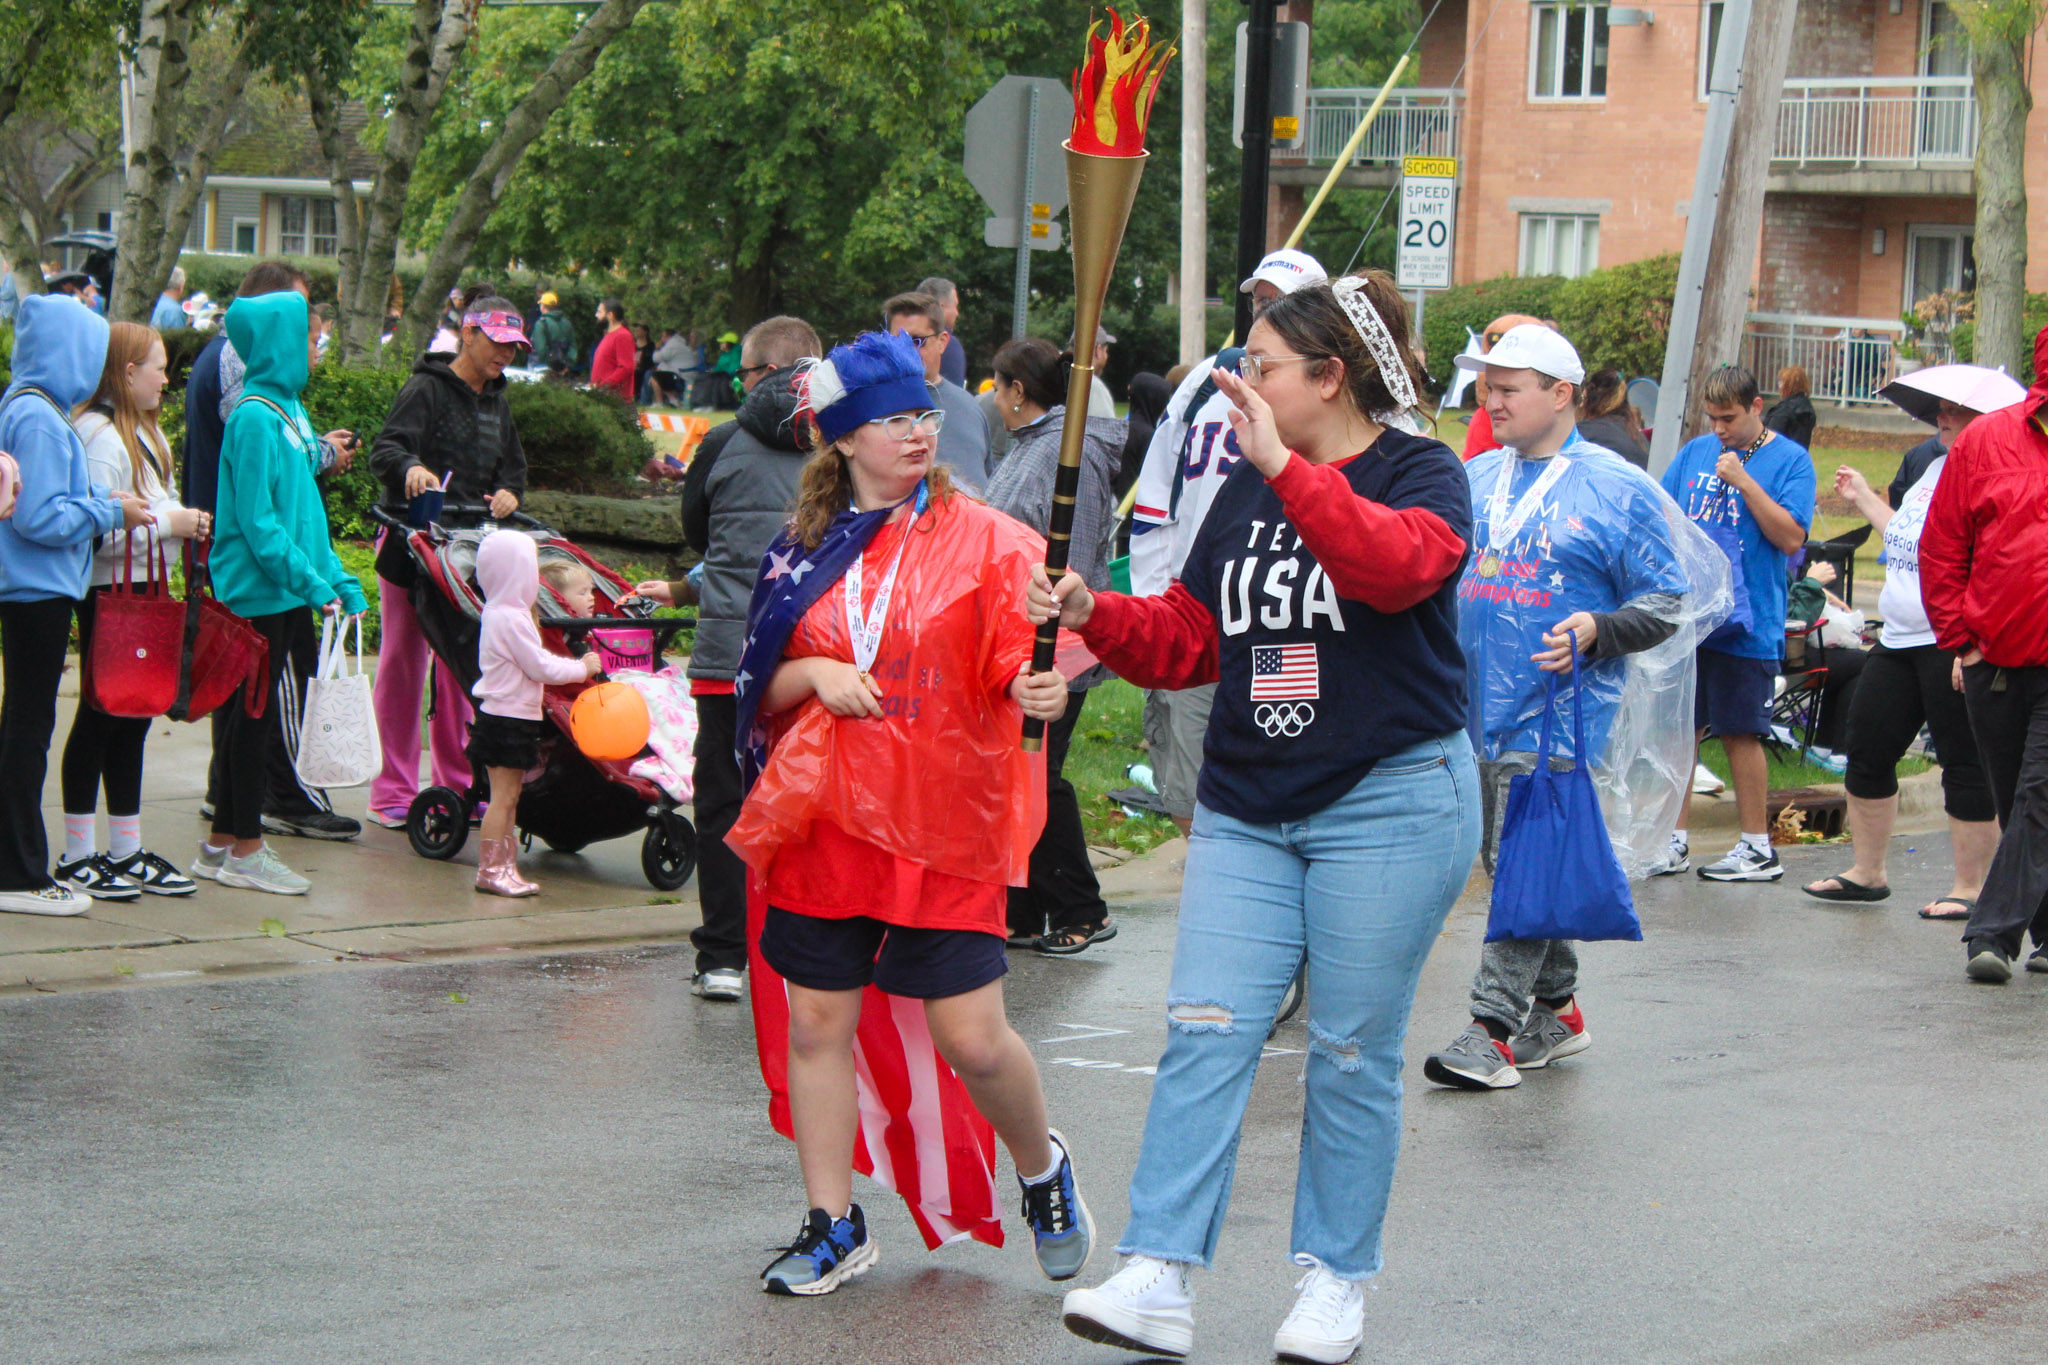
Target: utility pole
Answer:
pixel 1194 179
pixel 1724 218
pixel 1258 151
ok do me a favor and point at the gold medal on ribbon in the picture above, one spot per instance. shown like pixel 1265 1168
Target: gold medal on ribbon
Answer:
pixel 1489 564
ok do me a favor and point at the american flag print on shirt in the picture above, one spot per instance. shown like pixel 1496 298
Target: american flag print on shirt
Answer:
pixel 1285 673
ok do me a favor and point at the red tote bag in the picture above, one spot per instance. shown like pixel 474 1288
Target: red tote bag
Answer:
pixel 138 637
pixel 221 651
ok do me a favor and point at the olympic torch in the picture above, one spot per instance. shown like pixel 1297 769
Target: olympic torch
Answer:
pixel 1113 93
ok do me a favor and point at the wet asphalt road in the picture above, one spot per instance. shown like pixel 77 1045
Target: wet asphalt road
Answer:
pixel 1799 1136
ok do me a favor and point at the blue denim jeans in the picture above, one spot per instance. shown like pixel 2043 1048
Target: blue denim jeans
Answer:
pixel 1361 888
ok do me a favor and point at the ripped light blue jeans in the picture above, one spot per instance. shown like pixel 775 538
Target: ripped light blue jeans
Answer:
pixel 1361 888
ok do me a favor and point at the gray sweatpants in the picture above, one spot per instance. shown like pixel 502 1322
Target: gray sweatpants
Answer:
pixel 1516 971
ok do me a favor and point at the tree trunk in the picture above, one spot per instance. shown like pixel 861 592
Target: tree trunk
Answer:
pixel 325 103
pixel 440 31
pixel 33 214
pixel 2003 103
pixel 24 247
pixel 753 282
pixel 178 218
pixel 1724 296
pixel 493 172
pixel 162 70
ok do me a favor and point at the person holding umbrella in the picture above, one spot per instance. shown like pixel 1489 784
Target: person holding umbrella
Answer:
pixel 1907 680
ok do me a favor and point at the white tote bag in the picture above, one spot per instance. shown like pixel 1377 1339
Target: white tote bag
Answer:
pixel 338 743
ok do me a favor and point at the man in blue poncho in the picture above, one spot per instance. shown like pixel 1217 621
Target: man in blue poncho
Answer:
pixel 1571 546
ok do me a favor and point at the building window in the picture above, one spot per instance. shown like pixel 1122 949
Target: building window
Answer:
pixel 291 225
pixel 244 237
pixel 325 239
pixel 1711 15
pixel 1567 51
pixel 1940 258
pixel 1566 244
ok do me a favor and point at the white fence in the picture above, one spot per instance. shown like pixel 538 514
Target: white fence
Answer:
pixel 1847 360
pixel 1413 122
pixel 1885 121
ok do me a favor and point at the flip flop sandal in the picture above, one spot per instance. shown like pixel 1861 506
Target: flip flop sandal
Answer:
pixel 1846 890
pixel 1964 901
pixel 1067 942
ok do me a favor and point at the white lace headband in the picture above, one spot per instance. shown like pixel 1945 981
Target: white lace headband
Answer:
pixel 1372 330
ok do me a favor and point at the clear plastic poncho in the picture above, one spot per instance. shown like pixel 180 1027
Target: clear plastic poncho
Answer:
pixel 1587 531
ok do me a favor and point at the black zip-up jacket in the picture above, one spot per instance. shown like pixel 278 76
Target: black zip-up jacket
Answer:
pixel 440 422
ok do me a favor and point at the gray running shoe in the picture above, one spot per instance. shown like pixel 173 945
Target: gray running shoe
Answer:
pixel 1549 1035
pixel 1473 1061
pixel 208 861
pixel 719 983
pixel 1677 857
pixel 262 870
pixel 1744 863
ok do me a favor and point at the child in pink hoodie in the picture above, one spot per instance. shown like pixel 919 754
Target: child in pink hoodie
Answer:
pixel 504 738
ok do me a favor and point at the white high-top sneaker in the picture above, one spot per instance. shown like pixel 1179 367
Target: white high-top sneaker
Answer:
pixel 1148 1305
pixel 1327 1324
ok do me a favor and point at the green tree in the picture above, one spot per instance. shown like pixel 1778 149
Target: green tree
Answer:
pixel 2001 32
pixel 55 58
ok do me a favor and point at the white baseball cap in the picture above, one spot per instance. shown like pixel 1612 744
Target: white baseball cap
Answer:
pixel 1286 270
pixel 1530 346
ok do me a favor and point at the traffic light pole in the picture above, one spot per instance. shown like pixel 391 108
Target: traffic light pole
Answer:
pixel 1258 153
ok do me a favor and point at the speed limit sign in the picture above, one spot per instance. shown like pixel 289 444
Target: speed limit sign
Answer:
pixel 1429 209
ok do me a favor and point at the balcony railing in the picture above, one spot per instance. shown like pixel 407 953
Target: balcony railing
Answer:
pixel 1413 122
pixel 1882 122
pixel 1846 359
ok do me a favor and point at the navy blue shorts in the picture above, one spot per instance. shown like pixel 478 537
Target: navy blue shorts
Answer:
pixel 1733 696
pixel 847 954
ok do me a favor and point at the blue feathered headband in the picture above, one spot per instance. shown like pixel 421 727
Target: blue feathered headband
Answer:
pixel 873 376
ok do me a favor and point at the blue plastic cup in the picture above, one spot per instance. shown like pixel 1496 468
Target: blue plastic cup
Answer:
pixel 425 509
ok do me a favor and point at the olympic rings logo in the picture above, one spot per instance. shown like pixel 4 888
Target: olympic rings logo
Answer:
pixel 1288 718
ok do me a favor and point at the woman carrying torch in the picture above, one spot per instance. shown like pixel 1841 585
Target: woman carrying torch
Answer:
pixel 1338 809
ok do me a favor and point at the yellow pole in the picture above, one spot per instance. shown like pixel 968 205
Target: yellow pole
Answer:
pixel 1343 160
pixel 1350 149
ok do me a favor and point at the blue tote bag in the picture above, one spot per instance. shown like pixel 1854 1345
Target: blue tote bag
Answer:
pixel 1556 875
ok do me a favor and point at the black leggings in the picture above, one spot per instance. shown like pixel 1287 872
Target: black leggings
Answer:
pixel 101 747
pixel 33 638
pixel 1899 691
pixel 1062 892
pixel 247 741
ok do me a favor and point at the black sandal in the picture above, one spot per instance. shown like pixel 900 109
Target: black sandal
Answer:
pixel 1067 942
pixel 1847 890
pixel 1966 902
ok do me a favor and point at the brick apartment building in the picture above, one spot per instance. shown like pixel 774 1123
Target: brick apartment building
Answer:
pixel 1577 139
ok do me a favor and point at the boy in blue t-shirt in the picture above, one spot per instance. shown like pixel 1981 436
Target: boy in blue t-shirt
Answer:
pixel 1752 491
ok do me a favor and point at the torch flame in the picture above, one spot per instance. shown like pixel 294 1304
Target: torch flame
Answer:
pixel 1114 89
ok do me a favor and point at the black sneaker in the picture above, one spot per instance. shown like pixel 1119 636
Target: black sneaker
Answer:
pixel 154 875
pixel 2037 961
pixel 96 877
pixel 1986 960
pixel 206 809
pixel 827 1252
pixel 312 824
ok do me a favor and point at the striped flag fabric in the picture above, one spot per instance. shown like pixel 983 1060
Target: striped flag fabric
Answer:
pixel 920 1135
pixel 1285 673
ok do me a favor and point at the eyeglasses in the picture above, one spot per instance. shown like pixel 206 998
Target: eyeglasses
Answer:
pixel 921 341
pixel 898 426
pixel 749 369
pixel 1253 367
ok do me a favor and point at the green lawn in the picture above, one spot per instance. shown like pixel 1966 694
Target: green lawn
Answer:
pixel 1109 738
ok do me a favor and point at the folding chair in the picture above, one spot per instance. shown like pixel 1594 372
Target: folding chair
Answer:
pixel 1796 698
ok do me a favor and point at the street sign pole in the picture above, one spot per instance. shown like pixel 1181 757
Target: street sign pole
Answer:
pixel 1258 152
pixel 1020 301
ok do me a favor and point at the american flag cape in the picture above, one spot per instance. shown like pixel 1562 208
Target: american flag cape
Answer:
pixel 920 1134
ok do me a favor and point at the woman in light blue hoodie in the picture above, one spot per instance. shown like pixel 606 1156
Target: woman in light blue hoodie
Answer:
pixel 60 346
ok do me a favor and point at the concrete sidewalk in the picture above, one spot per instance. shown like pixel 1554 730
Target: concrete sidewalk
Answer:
pixel 372 900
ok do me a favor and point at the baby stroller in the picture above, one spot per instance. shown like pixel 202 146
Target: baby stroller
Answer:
pixel 569 800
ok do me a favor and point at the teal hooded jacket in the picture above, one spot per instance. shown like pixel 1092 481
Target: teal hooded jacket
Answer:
pixel 60 347
pixel 271 550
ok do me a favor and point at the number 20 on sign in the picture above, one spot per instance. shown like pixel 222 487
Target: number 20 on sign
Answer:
pixel 1429 209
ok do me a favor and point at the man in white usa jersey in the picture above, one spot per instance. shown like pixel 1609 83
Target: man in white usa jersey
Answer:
pixel 1191 454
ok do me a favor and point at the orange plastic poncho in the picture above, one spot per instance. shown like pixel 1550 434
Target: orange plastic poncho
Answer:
pixel 939 781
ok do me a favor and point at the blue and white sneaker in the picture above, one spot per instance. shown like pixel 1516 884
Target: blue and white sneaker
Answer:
pixel 1062 1233
pixel 827 1251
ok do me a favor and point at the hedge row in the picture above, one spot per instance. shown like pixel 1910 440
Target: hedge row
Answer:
pixel 2033 319
pixel 1618 318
